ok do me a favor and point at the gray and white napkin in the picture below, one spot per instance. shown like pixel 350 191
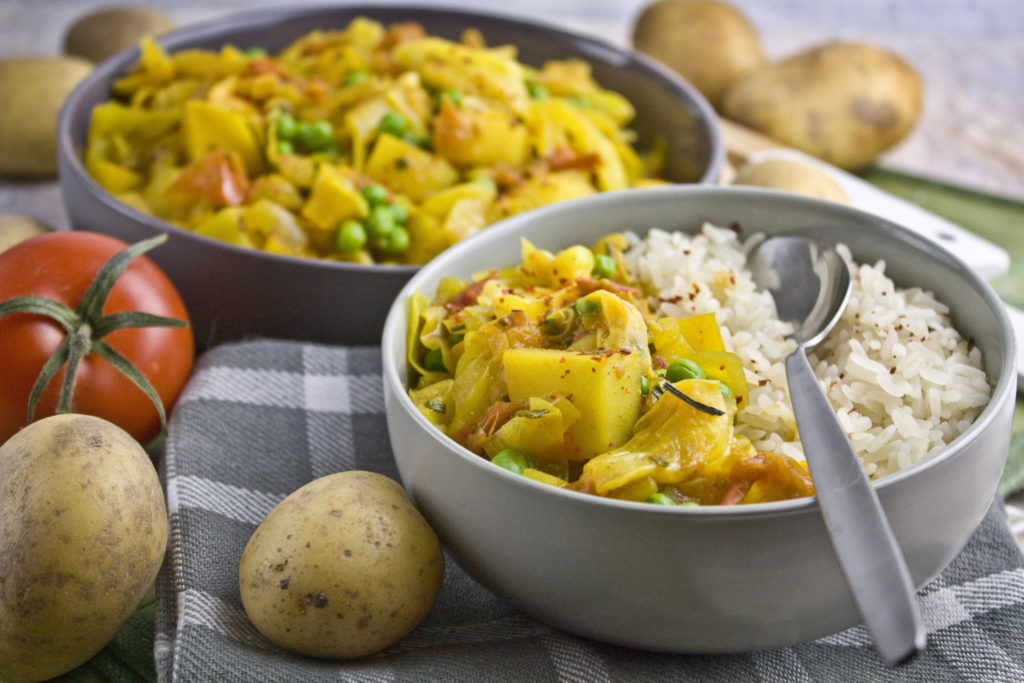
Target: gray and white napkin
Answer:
pixel 261 418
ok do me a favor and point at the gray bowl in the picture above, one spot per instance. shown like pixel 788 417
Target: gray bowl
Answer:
pixel 232 292
pixel 706 579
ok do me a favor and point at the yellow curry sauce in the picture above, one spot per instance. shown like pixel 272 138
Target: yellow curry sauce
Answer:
pixel 556 369
pixel 366 144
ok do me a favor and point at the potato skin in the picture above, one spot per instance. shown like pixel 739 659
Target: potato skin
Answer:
pixel 792 176
pixel 343 567
pixel 83 530
pixel 33 89
pixel 709 43
pixel 103 33
pixel 844 103
pixel 15 228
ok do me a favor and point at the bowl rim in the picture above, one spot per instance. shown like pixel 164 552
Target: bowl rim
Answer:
pixel 71 162
pixel 1002 387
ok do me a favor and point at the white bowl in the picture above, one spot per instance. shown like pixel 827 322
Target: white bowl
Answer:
pixel 696 579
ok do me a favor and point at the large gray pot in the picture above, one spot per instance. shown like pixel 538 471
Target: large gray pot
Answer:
pixel 232 292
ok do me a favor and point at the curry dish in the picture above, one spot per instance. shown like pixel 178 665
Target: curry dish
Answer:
pixel 370 144
pixel 557 370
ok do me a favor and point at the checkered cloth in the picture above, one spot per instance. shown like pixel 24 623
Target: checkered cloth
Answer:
pixel 261 418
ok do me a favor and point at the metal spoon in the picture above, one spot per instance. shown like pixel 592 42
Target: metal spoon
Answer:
pixel 810 283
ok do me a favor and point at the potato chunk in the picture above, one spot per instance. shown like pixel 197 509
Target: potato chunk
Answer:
pixel 603 386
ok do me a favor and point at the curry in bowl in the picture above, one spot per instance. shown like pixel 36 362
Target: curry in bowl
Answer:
pixel 371 143
pixel 653 370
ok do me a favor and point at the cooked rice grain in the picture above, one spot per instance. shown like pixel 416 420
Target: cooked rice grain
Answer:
pixel 902 380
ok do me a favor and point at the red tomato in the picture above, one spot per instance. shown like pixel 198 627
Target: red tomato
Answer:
pixel 60 266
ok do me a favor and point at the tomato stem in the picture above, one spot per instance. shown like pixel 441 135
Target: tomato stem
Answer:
pixel 79 343
pixel 86 328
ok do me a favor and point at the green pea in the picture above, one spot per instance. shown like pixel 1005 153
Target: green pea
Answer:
pixel 536 90
pixel 726 391
pixel 401 213
pixel 351 236
pixel 684 368
pixel 689 504
pixel 454 96
pixel 511 460
pixel 381 221
pixel 397 241
pixel 355 78
pixel 415 139
pixel 393 123
pixel 375 194
pixel 254 52
pixel 604 265
pixel 285 147
pixel 286 126
pixel 645 386
pixel 659 498
pixel 315 135
pixel 434 361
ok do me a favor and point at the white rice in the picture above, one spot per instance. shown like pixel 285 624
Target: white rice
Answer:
pixel 901 379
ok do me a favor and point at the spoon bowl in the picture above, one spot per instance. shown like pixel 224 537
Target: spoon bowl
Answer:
pixel 792 269
pixel 811 283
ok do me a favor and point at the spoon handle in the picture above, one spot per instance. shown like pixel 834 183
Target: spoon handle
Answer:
pixel 872 561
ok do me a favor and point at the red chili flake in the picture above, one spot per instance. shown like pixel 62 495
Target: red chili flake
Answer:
pixel 762 382
pixel 564 158
pixel 468 296
pixel 892 370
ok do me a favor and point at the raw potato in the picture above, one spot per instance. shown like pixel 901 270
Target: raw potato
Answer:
pixel 15 228
pixel 844 103
pixel 103 33
pixel 343 567
pixel 83 529
pixel 711 44
pixel 32 90
pixel 792 176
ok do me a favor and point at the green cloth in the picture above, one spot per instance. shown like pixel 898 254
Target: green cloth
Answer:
pixel 129 657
